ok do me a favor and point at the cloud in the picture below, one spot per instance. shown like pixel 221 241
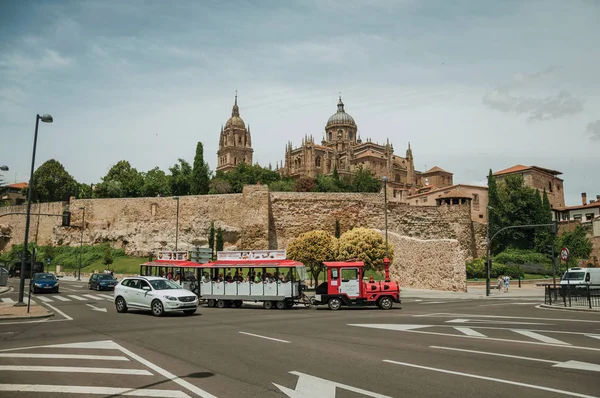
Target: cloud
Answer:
pixel 593 129
pixel 550 107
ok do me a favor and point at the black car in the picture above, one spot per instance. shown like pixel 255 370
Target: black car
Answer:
pixel 44 282
pixel 102 282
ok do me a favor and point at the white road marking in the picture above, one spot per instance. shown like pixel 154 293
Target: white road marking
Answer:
pixel 77 297
pixel 264 337
pixel 470 332
pixel 96 308
pixel 491 305
pixel 539 337
pixel 53 308
pixel 311 386
pixel 44 299
pixel 7 332
pixel 66 356
pixel 93 297
pixel 107 391
pixel 8 300
pixel 433 302
pixel 494 354
pixel 594 336
pixel 579 366
pixel 449 315
pixel 495 322
pixel 61 298
pixel 409 329
pixel 107 296
pixel 26 300
pixel 514 383
pixel 74 369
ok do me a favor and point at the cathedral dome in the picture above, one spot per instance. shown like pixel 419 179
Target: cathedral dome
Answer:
pixel 340 117
pixel 235 121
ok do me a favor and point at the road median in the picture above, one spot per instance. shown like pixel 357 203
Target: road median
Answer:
pixel 9 311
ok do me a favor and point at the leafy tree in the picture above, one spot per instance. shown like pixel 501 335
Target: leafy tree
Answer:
pixel 283 185
pixel 579 245
pixel 327 183
pixel 181 178
pixel 48 252
pixel 245 174
pixel 211 238
pixel 156 183
pixel 121 181
pixel 306 184
pixel 495 221
pixel 335 175
pixel 108 258
pixel 312 248
pixel 366 245
pixel 220 243
pixel 200 183
pixel 337 229
pixel 364 180
pixel 52 183
pixel 84 191
pixel 219 186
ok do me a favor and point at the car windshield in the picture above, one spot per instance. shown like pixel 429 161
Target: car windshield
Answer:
pixel 164 284
pixel 105 276
pixel 44 277
pixel 574 276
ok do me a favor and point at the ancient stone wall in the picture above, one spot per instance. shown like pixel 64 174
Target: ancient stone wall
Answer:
pixel 428 264
pixel 44 218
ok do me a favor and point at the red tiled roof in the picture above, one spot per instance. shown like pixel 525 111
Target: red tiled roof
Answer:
pixel 520 168
pixel 592 205
pixel 436 169
pixel 18 185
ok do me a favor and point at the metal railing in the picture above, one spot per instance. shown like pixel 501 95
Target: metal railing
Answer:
pixel 583 295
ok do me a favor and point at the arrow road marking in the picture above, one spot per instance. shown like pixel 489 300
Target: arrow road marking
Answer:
pixel 450 315
pixel 311 386
pixel 96 308
pixel 514 383
pixel 539 337
pixel 494 322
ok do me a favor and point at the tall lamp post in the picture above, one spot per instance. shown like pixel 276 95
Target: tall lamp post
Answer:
pixel 45 119
pixel 384 178
pixel 81 242
pixel 487 252
pixel 176 222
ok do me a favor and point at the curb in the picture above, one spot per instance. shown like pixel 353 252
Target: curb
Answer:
pixel 555 307
pixel 48 315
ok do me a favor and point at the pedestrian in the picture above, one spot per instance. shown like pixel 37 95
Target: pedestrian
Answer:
pixel 506 283
pixel 499 283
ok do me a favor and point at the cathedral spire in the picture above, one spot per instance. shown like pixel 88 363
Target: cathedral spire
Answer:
pixel 235 111
pixel 340 104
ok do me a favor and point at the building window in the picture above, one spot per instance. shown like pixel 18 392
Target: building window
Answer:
pixel 318 161
pixel 481 216
pixel 565 216
pixel 350 136
pixel 424 199
pixel 577 217
pixel 397 178
pixel 589 216
pixel 550 186
pixel 234 160
pixel 475 198
pixel 558 187
pixel 330 136
pixel 394 193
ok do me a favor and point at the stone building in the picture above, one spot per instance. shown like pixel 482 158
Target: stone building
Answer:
pixel 235 142
pixel 342 149
pixel 477 196
pixel 539 178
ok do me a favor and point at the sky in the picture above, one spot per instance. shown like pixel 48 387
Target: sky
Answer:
pixel 472 85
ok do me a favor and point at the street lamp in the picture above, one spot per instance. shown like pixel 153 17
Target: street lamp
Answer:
pixel 386 260
pixel 45 119
pixel 176 222
pixel 81 242
pixel 487 252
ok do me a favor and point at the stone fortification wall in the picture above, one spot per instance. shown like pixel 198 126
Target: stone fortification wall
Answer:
pixel 41 226
pixel 428 264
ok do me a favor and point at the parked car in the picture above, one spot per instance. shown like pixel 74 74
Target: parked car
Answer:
pixel 102 282
pixel 156 294
pixel 44 282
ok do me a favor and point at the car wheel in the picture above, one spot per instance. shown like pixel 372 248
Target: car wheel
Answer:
pixel 189 312
pixel 385 303
pixel 157 308
pixel 334 303
pixel 121 304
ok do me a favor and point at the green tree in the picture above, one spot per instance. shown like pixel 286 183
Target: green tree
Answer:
pixel 337 229
pixel 48 253
pixel 579 245
pixel 305 184
pixel 335 175
pixel 327 183
pixel 84 191
pixel 52 183
pixel 181 178
pixel 283 185
pixel 312 248
pixel 245 174
pixel 156 183
pixel 200 183
pixel 364 180
pixel 219 186
pixel 495 221
pixel 121 181
pixel 366 245
pixel 220 243
pixel 211 238
pixel 108 258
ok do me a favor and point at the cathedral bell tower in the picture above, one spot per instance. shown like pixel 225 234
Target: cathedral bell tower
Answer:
pixel 235 143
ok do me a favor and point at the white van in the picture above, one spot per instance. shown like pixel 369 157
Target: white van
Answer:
pixel 581 276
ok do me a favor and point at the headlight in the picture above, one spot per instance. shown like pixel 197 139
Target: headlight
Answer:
pixel 37 284
pixel 171 298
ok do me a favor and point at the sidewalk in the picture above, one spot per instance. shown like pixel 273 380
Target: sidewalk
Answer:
pixel 9 311
pixel 477 292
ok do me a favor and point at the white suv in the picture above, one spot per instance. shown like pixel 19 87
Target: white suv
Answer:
pixel 159 295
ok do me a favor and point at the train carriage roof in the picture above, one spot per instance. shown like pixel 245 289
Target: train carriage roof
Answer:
pixel 227 264
pixel 344 263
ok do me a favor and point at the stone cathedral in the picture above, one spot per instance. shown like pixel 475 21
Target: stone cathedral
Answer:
pixel 341 149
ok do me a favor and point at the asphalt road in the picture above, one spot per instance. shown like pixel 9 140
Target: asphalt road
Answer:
pixel 428 348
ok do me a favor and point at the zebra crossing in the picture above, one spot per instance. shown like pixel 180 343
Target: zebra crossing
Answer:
pixel 63 298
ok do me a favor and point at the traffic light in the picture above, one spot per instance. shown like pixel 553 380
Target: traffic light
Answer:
pixel 66 218
pixel 554 227
pixel 550 251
